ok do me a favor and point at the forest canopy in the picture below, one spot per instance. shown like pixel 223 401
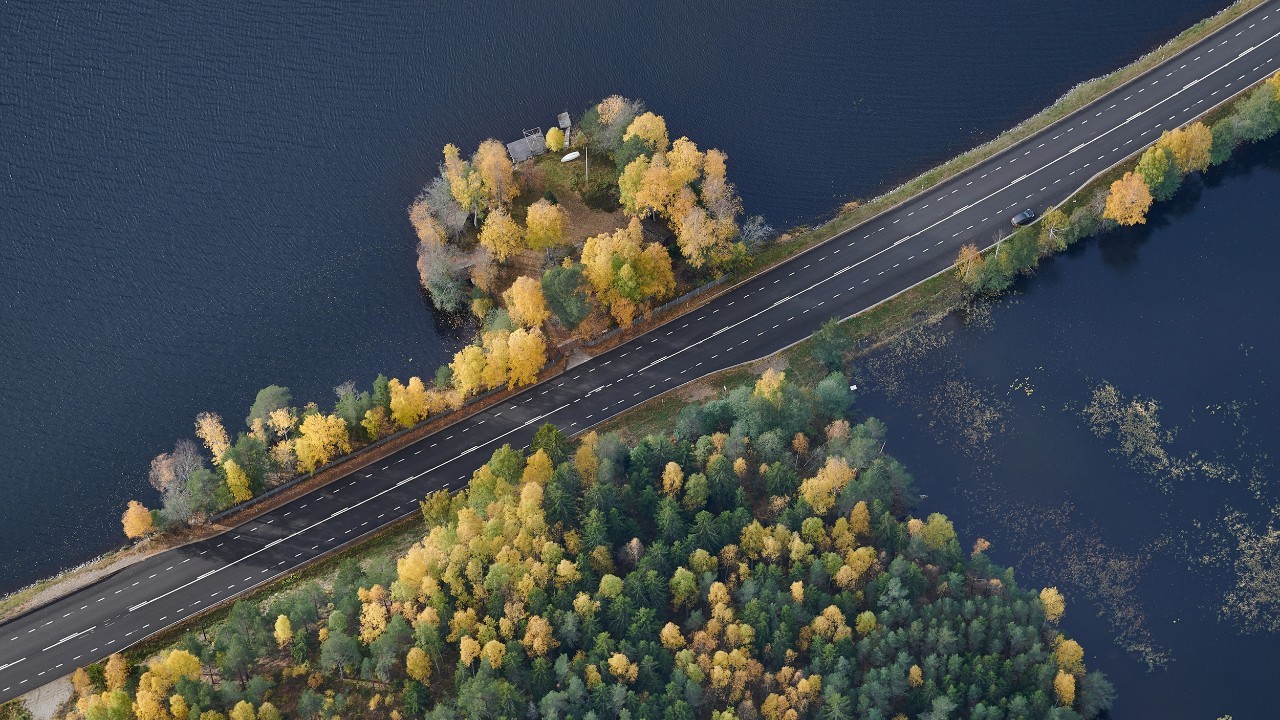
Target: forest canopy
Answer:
pixel 761 560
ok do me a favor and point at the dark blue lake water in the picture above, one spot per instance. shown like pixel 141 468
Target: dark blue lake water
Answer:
pixel 199 199
pixel 1162 538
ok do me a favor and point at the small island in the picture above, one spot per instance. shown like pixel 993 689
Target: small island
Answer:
pixel 552 240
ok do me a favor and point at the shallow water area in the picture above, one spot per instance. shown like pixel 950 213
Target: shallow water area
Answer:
pixel 1110 427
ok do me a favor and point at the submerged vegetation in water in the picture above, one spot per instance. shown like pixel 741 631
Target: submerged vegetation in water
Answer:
pixel 1254 602
pixel 1059 542
pixel 1134 424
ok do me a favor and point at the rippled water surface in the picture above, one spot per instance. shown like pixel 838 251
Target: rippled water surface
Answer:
pixel 199 199
pixel 1111 429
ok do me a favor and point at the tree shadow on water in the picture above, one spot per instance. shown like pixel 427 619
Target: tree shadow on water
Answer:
pixel 1121 247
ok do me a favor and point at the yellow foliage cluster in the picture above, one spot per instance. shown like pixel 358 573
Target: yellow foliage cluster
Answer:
pixel 650 128
pixel 525 302
pixel 408 401
pixel 116 672
pixel 1128 200
pixel 502 358
pixel 1055 606
pixel 720 651
pixel 856 564
pixel 769 386
pixel 497 358
pixel 537 469
pixel 283 631
pixel 418 664
pixel 151 700
pixel 464 182
pixel 494 651
pixel 584 458
pixel 499 544
pixel 1064 688
pixel 475 575
pixel 281 420
pixel 797 692
pixel 821 490
pixel 829 625
pixel 625 274
pixel 528 353
pixel 860 519
pixel 555 139
pixel 705 224
pixel 622 668
pixel 501 234
pixel 672 479
pixel 137 520
pixel 214 436
pixel 671 637
pixel 1069 655
pixel 237 481
pixel 538 637
pixel 544 225
pixel 497 173
pixel 321 438
pixel 1190 146
pixel 375 611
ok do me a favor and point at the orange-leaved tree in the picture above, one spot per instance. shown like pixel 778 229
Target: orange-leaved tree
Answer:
pixel 137 520
pixel 497 173
pixel 1129 200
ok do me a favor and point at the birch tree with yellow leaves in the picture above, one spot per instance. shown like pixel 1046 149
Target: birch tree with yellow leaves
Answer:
pixel 526 303
pixel 321 438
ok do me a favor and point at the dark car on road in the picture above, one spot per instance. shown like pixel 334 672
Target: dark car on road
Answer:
pixel 1023 217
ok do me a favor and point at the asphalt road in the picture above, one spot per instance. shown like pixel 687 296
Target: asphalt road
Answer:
pixel 851 272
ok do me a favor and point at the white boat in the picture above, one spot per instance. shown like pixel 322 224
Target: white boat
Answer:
pixel 571 156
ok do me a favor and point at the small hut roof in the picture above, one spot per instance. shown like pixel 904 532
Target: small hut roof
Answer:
pixel 531 145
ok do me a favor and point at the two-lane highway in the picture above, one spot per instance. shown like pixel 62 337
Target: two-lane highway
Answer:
pixel 849 273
